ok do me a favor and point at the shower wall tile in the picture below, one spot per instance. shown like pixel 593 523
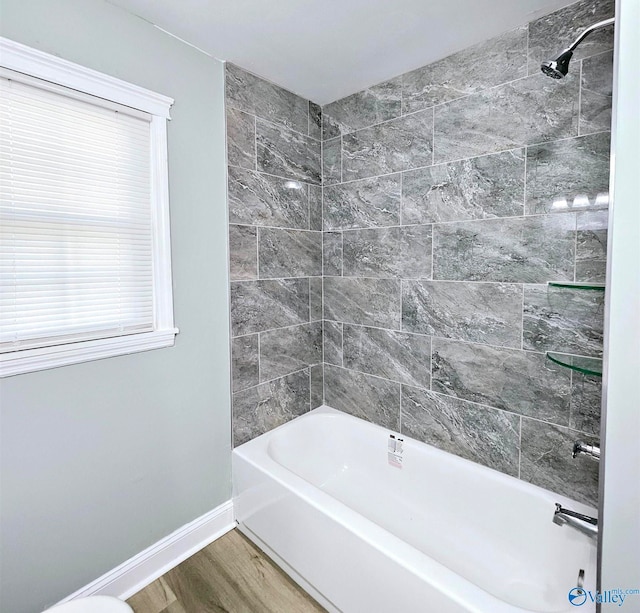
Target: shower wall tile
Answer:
pixel 289 253
pixel 568 174
pixel 564 320
pixel 333 342
pixel 478 188
pixel 332 254
pixel 362 109
pixel 315 120
pixel 550 34
pixel 289 349
pixel 243 252
pixel 317 386
pixel 591 246
pixel 315 207
pixel 398 356
pixel 371 253
pixel 332 161
pixel 285 153
pixel 371 398
pixel 269 405
pixel 315 299
pixel 369 302
pixel 262 305
pixel 596 93
pixel 476 433
pixel 244 362
pixel 516 381
pixel 251 94
pixel 399 144
pixel 241 139
pixel 519 250
pixel 368 203
pixel 547 462
pixel 523 112
pixel 263 200
pixel 388 252
pixel 492 62
pixel 437 219
pixel 416 248
pixel 478 312
pixel 586 400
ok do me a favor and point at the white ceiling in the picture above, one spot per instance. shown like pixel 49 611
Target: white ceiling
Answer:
pixel 326 49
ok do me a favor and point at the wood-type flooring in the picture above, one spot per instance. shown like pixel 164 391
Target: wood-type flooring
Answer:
pixel 231 575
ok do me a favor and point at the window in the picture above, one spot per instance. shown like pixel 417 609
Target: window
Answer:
pixel 85 267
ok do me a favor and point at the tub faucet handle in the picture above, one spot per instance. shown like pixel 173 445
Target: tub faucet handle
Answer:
pixel 593 451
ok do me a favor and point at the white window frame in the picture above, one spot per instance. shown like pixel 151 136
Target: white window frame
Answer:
pixel 33 63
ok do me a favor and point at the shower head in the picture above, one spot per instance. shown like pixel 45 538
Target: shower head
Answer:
pixel 558 68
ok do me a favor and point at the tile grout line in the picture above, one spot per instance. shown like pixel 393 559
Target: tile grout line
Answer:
pixel 443 338
pixel 433 252
pixel 522 321
pixel 401 318
pixel 400 408
pixel 524 217
pixel 575 251
pixel 259 362
pixel 580 96
pixel 288 374
pixel 459 399
pixel 571 373
pixel 258 232
pixel 255 143
pixel 433 137
pixel 524 182
pixel 520 448
pixel 467 158
pixel 431 363
pixel 281 177
pixel 322 175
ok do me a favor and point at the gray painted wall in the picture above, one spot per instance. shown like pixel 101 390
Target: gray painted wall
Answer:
pixel 102 459
pixel 441 229
pixel 275 238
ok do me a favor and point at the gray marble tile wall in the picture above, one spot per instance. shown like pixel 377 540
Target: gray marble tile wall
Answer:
pixel 275 242
pixel 451 196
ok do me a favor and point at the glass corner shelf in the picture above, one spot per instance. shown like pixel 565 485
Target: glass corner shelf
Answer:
pixel 588 286
pixel 582 364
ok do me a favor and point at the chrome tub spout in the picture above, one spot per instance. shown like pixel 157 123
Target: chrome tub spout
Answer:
pixel 583 523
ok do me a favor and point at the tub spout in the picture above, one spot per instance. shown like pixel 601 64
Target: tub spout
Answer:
pixel 583 523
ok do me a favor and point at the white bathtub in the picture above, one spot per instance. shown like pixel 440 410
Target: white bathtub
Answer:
pixel 439 535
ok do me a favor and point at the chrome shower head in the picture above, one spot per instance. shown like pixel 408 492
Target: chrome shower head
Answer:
pixel 558 68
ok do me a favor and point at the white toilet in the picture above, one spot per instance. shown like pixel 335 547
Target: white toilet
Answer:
pixel 92 604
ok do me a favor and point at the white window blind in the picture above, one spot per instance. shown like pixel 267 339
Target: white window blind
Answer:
pixel 76 253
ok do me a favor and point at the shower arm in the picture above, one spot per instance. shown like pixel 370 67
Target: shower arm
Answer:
pixel 589 30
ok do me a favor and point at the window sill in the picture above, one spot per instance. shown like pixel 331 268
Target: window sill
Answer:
pixel 32 360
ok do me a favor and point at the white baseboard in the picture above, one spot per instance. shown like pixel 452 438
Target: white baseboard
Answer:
pixel 140 570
